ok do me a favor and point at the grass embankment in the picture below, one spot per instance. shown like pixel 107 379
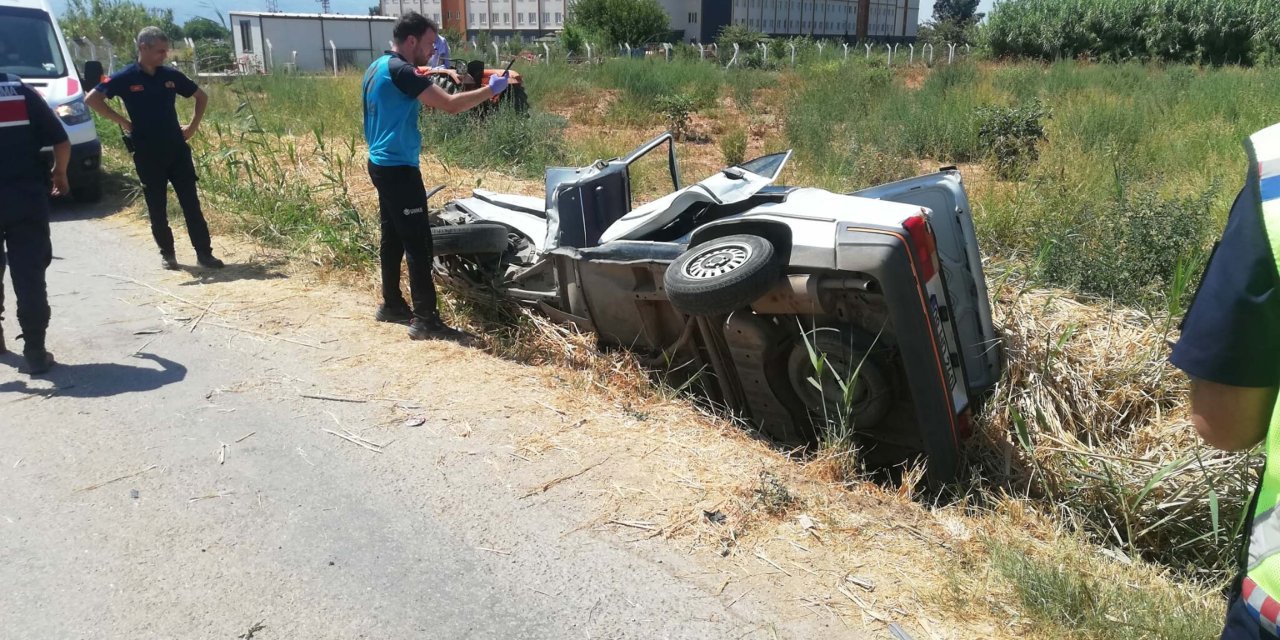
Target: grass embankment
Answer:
pixel 1092 242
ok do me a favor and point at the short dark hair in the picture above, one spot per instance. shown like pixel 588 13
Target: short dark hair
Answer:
pixel 412 24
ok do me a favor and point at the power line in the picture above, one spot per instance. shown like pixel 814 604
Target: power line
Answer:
pixel 273 6
pixel 324 6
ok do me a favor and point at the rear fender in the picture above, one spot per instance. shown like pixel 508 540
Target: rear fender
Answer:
pixel 778 233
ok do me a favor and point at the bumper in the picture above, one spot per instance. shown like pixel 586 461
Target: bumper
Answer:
pixel 86 161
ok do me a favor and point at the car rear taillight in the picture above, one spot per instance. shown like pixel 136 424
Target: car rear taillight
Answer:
pixel 922 246
pixel 964 424
pixel 73 86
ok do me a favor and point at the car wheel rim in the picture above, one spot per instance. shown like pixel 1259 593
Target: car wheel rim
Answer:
pixel 718 261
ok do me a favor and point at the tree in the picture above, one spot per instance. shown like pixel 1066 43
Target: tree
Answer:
pixel 116 21
pixel 205 29
pixel 621 21
pixel 959 12
pixel 954 21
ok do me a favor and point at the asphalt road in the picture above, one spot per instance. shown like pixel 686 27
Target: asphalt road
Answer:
pixel 117 519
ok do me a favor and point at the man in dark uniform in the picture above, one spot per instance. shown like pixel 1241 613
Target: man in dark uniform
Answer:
pixel 394 92
pixel 27 124
pixel 159 143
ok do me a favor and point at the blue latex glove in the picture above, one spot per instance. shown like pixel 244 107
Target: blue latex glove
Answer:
pixel 498 83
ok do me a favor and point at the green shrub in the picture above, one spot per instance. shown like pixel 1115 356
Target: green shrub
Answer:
pixel 1012 136
pixel 733 146
pixel 1129 248
pixel 676 109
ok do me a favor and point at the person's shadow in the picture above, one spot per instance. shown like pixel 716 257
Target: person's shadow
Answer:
pixel 99 380
pixel 269 270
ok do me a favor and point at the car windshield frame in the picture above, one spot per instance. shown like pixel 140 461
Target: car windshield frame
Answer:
pixel 34 27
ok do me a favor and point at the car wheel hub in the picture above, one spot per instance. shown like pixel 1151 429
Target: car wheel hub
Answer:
pixel 718 261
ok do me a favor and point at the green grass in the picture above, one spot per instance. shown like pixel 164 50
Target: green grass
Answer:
pixel 1069 595
pixel 1132 182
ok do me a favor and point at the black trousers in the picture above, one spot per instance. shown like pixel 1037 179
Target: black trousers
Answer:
pixel 406 233
pixel 158 167
pixel 25 246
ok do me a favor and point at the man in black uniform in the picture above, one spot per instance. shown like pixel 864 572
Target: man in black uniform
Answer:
pixel 26 125
pixel 159 143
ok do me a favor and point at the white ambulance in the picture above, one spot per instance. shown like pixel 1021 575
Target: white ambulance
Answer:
pixel 32 48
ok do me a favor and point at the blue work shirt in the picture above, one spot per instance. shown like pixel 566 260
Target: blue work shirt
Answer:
pixel 391 88
pixel 27 124
pixel 151 103
pixel 1229 335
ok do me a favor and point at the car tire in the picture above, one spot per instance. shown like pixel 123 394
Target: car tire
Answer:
pixel 468 239
pixel 722 275
pixel 843 351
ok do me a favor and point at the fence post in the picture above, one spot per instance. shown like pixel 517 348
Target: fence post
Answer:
pixel 890 50
pixel 951 57
pixel 334 48
pixel 588 51
pixel 793 53
pixel 547 51
pixel 702 54
pixel 821 46
pixel 764 51
pixel 666 50
pixel 846 52
pixel 111 55
pixel 966 49
pixel 497 54
pixel 928 47
pixel 868 46
pixel 912 59
pixel 735 56
pixel 195 60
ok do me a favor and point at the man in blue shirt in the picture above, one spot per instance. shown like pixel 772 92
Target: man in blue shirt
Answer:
pixel 149 91
pixel 394 91
pixel 27 124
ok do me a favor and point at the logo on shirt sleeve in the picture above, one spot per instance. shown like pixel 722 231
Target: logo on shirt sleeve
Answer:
pixel 136 88
pixel 168 84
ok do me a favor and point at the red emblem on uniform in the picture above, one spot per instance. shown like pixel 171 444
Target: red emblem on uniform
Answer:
pixel 420 71
pixel 136 88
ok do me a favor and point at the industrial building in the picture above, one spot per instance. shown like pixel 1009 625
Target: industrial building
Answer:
pixel 307 41
pixel 700 20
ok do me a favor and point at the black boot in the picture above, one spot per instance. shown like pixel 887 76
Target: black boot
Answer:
pixel 38 361
pixel 3 349
pixel 399 314
pixel 436 329
pixel 207 261
pixel 169 261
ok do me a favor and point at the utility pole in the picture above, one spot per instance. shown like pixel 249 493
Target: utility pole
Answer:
pixel 273 6
pixel 324 6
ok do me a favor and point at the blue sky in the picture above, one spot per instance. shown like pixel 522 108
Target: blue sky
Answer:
pixel 191 8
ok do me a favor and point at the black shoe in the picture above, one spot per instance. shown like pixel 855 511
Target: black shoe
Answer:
pixel 434 329
pixel 392 313
pixel 3 350
pixel 169 261
pixel 207 261
pixel 37 362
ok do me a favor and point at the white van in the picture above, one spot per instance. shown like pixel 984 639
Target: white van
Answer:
pixel 32 48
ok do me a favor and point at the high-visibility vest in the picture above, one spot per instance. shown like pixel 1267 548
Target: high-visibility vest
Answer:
pixel 1261 586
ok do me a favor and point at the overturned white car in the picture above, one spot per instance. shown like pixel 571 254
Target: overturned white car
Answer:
pixel 801 309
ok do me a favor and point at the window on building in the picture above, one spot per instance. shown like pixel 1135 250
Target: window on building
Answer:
pixel 533 17
pixel 436 17
pixel 471 17
pixel 558 19
pixel 546 16
pixel 506 18
pixel 520 18
pixel 246 36
pixel 484 18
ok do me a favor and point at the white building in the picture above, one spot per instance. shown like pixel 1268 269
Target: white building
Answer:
pixel 694 19
pixel 308 41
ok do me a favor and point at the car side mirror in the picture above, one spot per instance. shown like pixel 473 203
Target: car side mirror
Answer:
pixel 92 74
